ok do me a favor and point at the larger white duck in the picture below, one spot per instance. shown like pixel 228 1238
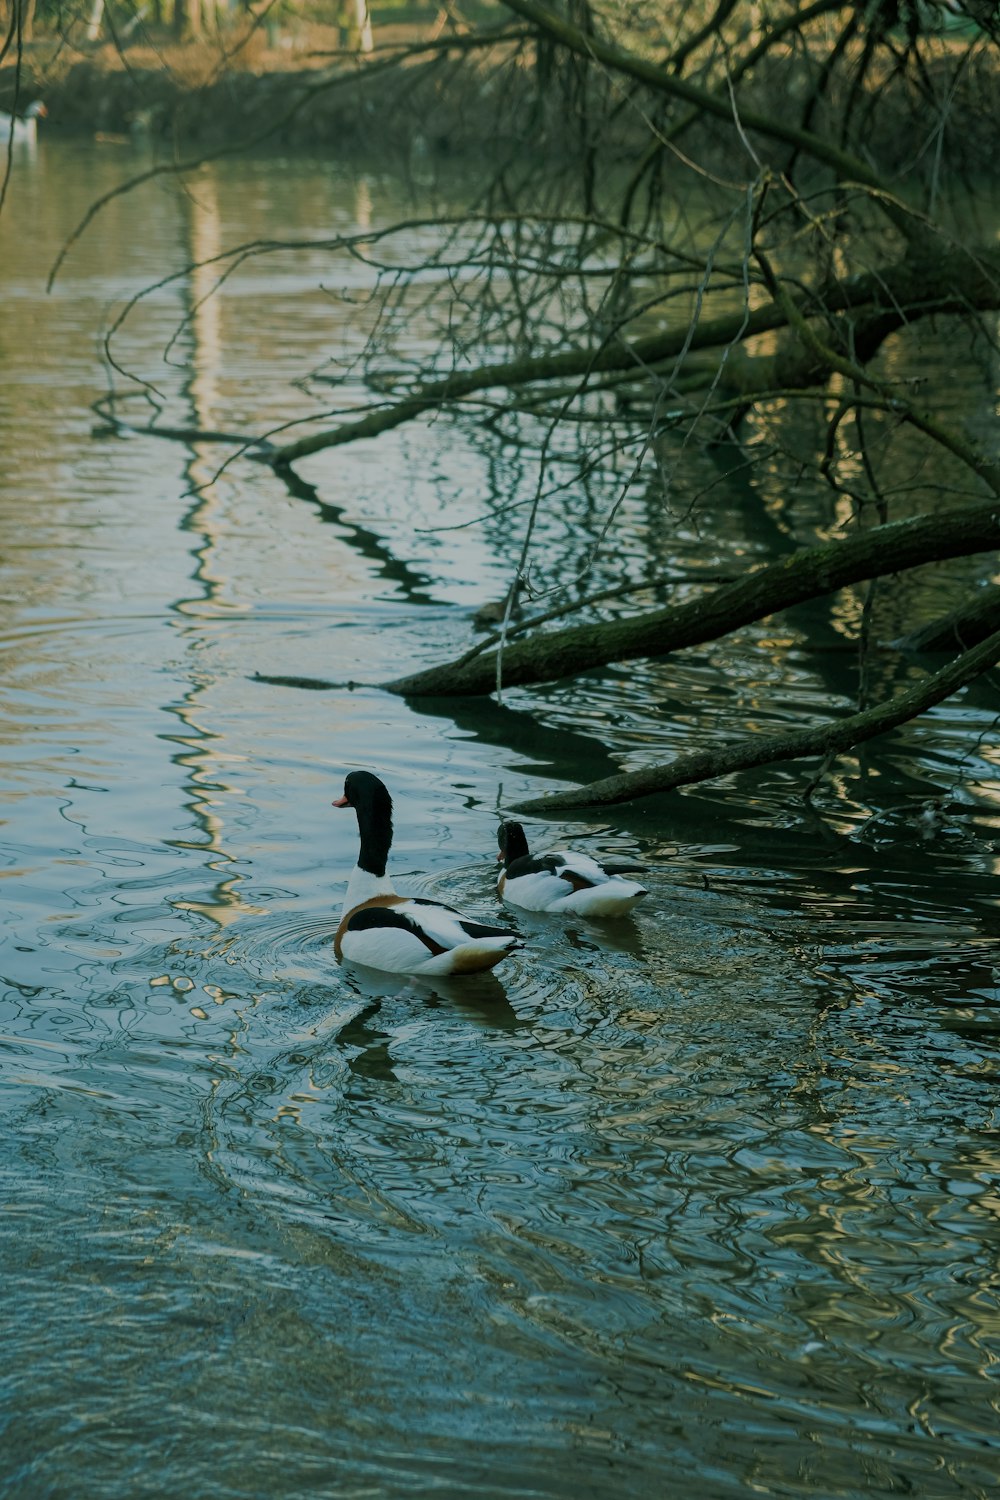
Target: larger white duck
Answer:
pixel 22 130
pixel 561 880
pixel 404 934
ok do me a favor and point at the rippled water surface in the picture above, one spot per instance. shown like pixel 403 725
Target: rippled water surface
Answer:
pixel 701 1203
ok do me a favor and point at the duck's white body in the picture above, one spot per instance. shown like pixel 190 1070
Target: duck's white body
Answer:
pixel 404 934
pixel 562 880
pixel 22 130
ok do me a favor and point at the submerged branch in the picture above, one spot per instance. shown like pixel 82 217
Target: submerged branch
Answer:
pixel 832 738
pixel 963 626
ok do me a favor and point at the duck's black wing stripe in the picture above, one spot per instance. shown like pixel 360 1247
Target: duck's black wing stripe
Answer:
pixel 377 916
pixel 536 864
pixel 480 930
pixel 548 864
pixel 370 917
pixel 474 929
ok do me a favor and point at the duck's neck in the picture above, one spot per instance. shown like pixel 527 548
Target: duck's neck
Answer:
pixel 516 845
pixel 368 878
pixel 363 885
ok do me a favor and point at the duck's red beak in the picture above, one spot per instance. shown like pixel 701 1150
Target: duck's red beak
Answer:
pixel 340 802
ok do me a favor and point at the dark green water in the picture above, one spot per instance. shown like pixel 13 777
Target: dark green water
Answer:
pixel 700 1204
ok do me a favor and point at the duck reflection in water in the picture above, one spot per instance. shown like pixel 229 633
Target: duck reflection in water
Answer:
pixel 479 995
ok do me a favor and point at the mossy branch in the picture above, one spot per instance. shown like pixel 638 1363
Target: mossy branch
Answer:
pixel 807 574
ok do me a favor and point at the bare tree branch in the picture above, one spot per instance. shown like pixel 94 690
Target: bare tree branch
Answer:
pixel 849 168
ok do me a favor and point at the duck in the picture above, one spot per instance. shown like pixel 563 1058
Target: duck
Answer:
pixel 562 880
pixel 404 934
pixel 22 129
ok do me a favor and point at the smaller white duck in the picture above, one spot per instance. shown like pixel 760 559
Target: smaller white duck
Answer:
pixel 562 880
pixel 404 934
pixel 22 130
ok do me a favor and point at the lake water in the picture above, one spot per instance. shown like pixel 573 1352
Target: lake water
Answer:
pixel 703 1203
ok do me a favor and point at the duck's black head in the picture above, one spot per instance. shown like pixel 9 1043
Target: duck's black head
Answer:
pixel 362 789
pixel 373 805
pixel 512 841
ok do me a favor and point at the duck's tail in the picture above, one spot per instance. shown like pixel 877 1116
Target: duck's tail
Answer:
pixel 485 948
pixel 613 898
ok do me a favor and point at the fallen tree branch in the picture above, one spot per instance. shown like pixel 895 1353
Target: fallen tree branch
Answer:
pixel 616 355
pixel 956 281
pixel 806 574
pixel 113 426
pixel 831 738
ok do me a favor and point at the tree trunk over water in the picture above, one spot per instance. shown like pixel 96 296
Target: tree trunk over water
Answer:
pixel 807 574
